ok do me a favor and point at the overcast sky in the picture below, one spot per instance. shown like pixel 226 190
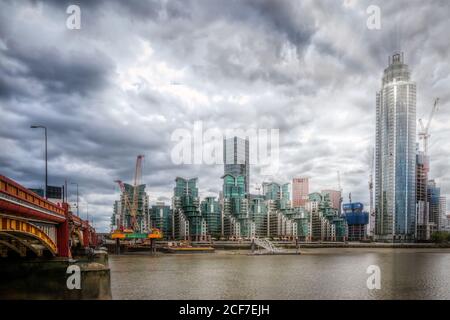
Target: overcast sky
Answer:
pixel 138 70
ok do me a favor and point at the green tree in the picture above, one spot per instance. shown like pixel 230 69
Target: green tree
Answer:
pixel 440 236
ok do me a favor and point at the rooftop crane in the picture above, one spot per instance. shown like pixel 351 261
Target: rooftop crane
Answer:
pixel 424 130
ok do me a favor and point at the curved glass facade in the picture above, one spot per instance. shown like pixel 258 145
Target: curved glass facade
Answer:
pixel 395 154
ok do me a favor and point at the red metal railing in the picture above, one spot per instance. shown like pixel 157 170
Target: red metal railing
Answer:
pixel 12 189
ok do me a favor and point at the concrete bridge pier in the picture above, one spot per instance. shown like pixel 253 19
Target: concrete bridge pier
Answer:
pixel 56 279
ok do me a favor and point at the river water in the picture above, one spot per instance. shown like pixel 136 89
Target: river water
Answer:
pixel 335 273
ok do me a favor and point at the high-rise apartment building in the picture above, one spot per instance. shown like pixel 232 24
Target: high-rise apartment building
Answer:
pixel 300 192
pixel 335 198
pixel 442 213
pixel 236 159
pixel 395 154
pixel 434 200
pixel 211 212
pixel 237 222
pixel 187 220
pixel 161 218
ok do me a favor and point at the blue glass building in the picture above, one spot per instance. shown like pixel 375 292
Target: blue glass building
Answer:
pixel 395 154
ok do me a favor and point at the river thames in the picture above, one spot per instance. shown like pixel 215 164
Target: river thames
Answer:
pixel 333 273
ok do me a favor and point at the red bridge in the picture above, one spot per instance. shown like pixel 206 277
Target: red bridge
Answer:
pixel 33 226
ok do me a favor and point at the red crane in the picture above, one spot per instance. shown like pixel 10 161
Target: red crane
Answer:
pixel 132 205
pixel 137 183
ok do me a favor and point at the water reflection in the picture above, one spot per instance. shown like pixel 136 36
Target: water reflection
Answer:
pixel 316 274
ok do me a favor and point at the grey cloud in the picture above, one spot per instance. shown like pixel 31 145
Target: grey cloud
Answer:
pixel 138 70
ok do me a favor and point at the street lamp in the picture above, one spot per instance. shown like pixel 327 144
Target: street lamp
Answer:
pixel 78 199
pixel 46 172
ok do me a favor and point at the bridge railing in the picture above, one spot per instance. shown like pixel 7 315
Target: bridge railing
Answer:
pixel 12 189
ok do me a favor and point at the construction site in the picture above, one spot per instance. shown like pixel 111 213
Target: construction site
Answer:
pixel 130 220
pixel 240 218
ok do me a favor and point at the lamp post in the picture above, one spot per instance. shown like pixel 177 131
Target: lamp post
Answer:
pixel 78 199
pixel 46 172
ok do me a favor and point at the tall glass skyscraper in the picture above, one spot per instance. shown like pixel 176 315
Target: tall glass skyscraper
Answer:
pixel 236 158
pixel 395 154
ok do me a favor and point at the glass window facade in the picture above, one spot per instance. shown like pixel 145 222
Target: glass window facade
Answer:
pixel 236 156
pixel 395 154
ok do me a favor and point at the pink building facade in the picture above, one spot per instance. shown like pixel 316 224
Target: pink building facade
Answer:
pixel 300 192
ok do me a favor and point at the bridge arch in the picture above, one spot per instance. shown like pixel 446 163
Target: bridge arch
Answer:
pixel 21 235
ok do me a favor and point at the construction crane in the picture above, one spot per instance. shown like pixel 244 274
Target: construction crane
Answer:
pixel 424 130
pixel 127 206
pixel 132 205
pixel 137 183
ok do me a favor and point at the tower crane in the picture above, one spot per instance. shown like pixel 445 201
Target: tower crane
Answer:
pixel 126 201
pixel 137 183
pixel 424 129
pixel 132 205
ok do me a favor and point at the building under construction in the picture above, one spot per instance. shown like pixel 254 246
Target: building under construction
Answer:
pixel 357 221
pixel 122 215
pixel 161 218
pixel 423 206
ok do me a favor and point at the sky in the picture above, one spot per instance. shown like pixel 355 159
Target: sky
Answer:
pixel 137 71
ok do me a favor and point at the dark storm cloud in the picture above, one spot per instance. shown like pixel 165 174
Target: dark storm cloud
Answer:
pixel 138 70
pixel 58 72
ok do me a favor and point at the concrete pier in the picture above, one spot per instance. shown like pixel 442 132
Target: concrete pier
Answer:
pixel 47 279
